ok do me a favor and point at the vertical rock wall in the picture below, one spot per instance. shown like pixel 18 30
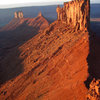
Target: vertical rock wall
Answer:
pixel 76 13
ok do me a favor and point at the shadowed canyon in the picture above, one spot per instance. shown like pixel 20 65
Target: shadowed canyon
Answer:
pixel 50 61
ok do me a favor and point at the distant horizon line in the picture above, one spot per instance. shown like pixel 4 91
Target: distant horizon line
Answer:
pixel 33 4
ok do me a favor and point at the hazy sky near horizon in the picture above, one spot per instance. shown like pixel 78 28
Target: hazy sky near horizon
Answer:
pixel 5 3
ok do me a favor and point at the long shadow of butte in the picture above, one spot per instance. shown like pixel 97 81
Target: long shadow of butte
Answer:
pixel 93 58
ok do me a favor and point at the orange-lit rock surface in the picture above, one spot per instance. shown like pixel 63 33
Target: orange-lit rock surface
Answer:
pixel 76 13
pixel 38 23
pixel 50 66
pixel 94 90
pixel 53 66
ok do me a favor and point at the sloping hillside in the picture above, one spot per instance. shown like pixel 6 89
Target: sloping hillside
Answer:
pixel 53 64
pixel 53 60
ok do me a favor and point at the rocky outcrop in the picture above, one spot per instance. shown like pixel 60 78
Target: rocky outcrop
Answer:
pixel 18 14
pixel 53 63
pixel 94 90
pixel 76 13
pixel 40 14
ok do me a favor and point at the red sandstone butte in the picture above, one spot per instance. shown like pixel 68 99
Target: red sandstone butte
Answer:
pixel 37 23
pixel 54 62
pixel 75 12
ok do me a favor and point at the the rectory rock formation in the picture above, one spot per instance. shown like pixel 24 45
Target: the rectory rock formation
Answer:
pixel 18 14
pixel 76 13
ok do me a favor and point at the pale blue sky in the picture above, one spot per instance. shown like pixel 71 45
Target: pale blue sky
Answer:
pixel 12 3
pixel 6 2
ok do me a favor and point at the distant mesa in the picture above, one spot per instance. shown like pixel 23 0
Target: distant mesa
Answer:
pixel 38 23
pixel 54 62
pixel 19 14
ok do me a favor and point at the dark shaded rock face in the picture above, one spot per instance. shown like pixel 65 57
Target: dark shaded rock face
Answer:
pixel 75 12
pixel 18 14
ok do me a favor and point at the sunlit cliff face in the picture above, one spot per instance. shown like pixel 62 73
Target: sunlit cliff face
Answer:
pixel 75 13
pixel 54 62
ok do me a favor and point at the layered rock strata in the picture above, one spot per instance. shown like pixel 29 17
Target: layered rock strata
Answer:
pixel 17 31
pixel 76 13
pixel 18 14
pixel 54 65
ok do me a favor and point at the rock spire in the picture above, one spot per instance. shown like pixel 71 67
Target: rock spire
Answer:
pixel 76 13
pixel 18 14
